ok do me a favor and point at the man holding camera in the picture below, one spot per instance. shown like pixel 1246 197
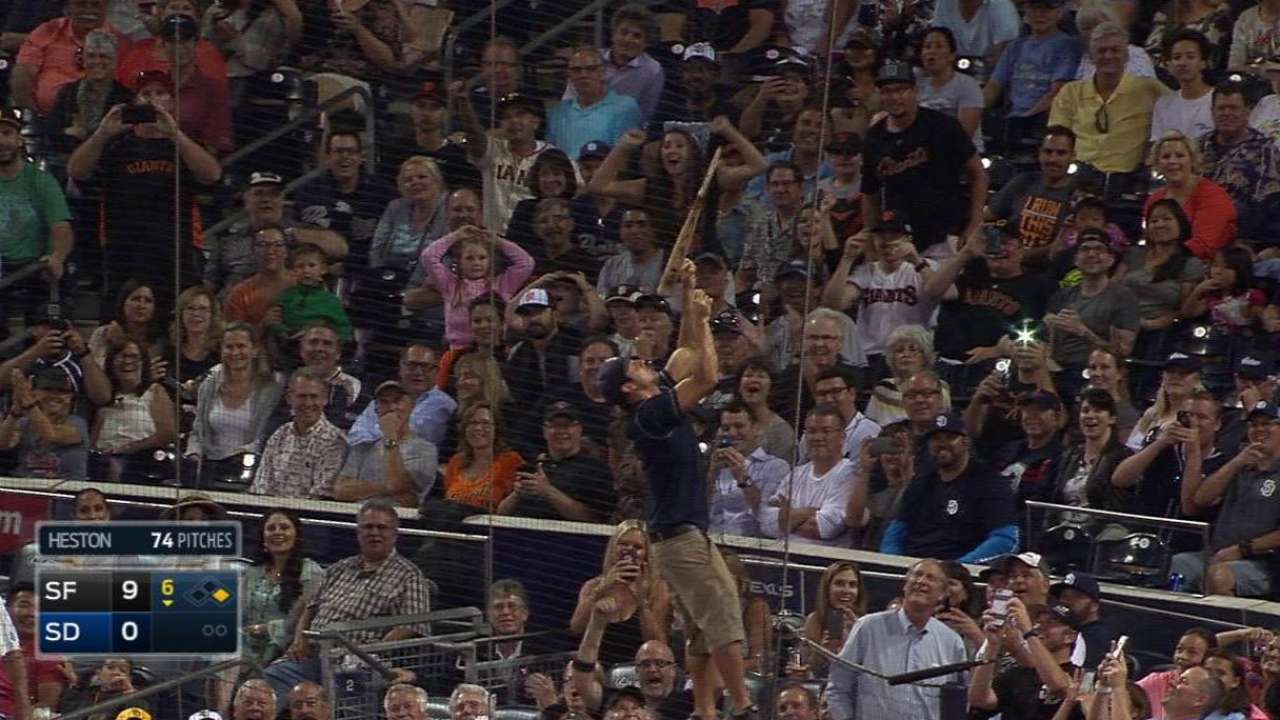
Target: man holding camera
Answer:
pixel 56 344
pixel 984 291
pixel 1041 635
pixel 131 156
pixel 564 484
pixel 741 473
pixel 1248 523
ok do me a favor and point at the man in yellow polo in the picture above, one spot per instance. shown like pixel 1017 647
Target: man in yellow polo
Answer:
pixel 1110 113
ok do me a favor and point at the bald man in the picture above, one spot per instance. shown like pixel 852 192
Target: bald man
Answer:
pixel 308 701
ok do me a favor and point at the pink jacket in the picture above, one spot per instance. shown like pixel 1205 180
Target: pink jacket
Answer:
pixel 459 293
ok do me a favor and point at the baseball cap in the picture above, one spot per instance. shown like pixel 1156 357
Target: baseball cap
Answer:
pixel 658 302
pixel 1097 235
pixel 949 422
pixel 845 143
pixel 431 90
pixel 52 379
pixel 535 297
pixel 1059 613
pixel 261 177
pixel 1254 367
pixel 622 293
pixel 626 691
pixel 519 100
pixel 862 37
pixel 896 71
pixel 699 51
pixel 149 77
pixel 46 314
pixel 12 116
pixel 561 408
pixel 1030 559
pixel 389 385
pixel 1042 399
pixel 1182 361
pixel 182 27
pixel 796 268
pixel 594 149
pixel 612 374
pixel 1080 582
pixel 1270 409
pixel 726 321
pixel 791 64
pixel 714 258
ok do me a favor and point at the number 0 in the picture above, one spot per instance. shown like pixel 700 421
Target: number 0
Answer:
pixel 129 631
pixel 130 589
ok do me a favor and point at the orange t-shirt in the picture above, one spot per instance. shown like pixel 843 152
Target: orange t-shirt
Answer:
pixel 497 483
pixel 249 300
pixel 53 49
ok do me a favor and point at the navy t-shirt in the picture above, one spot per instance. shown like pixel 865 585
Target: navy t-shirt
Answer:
pixel 668 447
pixel 949 519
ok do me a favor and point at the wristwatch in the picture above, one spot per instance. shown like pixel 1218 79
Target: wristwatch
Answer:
pixel 745 483
pixel 390 444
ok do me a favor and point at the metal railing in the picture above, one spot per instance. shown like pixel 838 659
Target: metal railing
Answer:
pixel 134 697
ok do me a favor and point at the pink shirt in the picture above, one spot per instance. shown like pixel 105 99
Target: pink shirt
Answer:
pixel 1157 686
pixel 459 293
pixel 53 49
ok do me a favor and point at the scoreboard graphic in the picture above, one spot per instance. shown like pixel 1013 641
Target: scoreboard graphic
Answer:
pixel 100 609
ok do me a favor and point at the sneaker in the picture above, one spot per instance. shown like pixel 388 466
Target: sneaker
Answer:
pixel 751 713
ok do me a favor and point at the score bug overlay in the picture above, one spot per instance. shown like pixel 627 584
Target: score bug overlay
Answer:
pixel 97 613
pixel 164 539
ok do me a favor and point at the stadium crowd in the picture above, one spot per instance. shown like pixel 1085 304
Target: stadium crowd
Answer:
pixel 960 255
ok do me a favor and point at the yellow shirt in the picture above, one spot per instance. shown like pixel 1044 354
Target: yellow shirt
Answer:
pixel 1127 120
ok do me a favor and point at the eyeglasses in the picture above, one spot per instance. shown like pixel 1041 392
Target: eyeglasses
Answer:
pixel 920 394
pixel 375 528
pixel 1101 120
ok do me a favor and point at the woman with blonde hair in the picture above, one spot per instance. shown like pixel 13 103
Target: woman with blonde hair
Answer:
pixel 413 219
pixel 643 600
pixel 908 350
pixel 1209 208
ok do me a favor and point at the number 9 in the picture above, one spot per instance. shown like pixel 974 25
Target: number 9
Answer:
pixel 166 586
pixel 129 588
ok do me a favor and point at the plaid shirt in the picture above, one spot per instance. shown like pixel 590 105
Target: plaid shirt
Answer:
pixel 768 244
pixel 301 465
pixel 351 593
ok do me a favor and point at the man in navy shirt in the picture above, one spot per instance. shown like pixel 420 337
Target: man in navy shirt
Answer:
pixel 959 510
pixel 678 512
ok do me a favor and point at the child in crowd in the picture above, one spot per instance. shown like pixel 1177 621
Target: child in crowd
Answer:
pixel 472 276
pixel 309 299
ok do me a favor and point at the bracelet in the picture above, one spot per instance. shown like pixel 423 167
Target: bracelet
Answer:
pixel 390 444
pixel 582 665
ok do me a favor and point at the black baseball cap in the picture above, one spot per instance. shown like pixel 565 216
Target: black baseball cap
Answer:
pixel 726 322
pixel 561 408
pixel 654 301
pixel 896 72
pixel 1182 361
pixel 263 177
pixel 845 143
pixel 520 100
pixel 1270 409
pixel 597 149
pixel 713 258
pixel 611 376
pixel 1080 582
pixel 1255 366
pixel 948 422
pixel 52 379
pixel 1058 613
pixel 1042 399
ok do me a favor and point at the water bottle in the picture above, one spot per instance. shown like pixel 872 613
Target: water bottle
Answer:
pixel 1176 582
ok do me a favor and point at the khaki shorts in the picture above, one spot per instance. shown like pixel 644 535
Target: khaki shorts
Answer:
pixel 705 590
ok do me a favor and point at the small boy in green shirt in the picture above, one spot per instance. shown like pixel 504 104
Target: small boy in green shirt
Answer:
pixel 309 300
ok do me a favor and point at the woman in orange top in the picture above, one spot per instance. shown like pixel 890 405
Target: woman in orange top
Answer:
pixel 483 471
pixel 1207 205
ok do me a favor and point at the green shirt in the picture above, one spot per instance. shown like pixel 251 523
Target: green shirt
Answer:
pixel 30 204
